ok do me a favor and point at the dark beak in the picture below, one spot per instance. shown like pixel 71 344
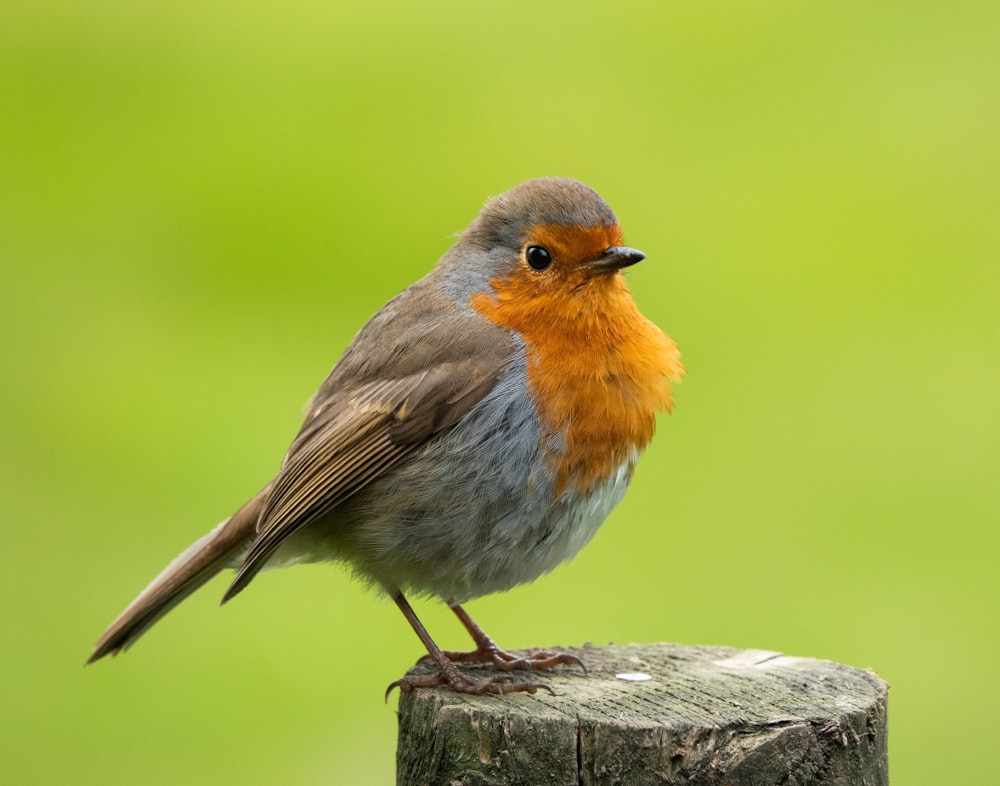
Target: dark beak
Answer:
pixel 616 257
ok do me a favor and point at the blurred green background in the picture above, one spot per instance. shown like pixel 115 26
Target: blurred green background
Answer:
pixel 200 203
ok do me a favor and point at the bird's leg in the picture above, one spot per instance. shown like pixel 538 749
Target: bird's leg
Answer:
pixel 487 651
pixel 447 672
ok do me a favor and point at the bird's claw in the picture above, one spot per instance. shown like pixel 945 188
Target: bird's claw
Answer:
pixel 460 682
pixel 537 660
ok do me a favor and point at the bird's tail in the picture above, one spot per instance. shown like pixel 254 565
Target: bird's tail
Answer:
pixel 221 548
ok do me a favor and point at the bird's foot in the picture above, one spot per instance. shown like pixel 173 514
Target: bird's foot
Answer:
pixel 536 660
pixel 450 676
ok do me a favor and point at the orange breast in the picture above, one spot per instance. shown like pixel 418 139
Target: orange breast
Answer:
pixel 599 370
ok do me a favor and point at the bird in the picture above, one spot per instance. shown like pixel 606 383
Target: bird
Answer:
pixel 473 436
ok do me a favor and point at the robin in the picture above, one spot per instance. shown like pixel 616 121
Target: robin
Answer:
pixel 475 434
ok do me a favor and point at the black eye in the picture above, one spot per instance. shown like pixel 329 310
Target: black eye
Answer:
pixel 538 257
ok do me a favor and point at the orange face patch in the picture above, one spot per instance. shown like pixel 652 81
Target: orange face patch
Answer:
pixel 598 370
pixel 575 243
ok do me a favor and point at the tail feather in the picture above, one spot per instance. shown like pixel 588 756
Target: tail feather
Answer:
pixel 221 548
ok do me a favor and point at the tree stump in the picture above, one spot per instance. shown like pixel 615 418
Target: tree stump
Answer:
pixel 655 714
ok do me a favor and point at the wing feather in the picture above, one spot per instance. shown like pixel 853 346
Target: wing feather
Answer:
pixel 350 439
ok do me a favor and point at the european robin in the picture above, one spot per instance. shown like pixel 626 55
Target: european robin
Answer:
pixel 474 435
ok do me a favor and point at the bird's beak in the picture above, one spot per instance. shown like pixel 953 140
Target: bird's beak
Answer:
pixel 615 258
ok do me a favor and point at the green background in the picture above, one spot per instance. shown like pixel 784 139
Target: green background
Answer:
pixel 200 203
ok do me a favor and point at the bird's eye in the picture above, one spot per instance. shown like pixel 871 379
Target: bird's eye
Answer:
pixel 538 257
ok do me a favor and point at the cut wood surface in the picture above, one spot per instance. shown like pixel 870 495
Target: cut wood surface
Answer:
pixel 656 714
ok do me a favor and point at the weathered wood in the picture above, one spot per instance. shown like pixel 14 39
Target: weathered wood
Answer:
pixel 706 715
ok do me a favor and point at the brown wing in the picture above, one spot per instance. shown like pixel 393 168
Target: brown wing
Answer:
pixel 354 437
